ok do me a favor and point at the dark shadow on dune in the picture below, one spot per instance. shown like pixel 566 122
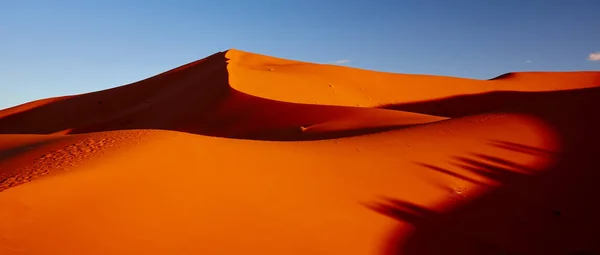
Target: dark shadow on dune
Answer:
pixel 526 214
pixel 525 149
pixel 554 212
pixel 501 101
pixel 161 97
pixel 503 76
pixel 466 228
pixel 403 211
pixel 194 98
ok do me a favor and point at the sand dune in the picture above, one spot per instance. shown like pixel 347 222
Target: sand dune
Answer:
pixel 241 153
pixel 196 98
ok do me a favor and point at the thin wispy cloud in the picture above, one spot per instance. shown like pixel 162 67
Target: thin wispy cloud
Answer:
pixel 594 56
pixel 340 62
pixel 528 62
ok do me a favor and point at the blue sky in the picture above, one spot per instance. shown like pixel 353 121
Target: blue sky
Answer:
pixel 53 48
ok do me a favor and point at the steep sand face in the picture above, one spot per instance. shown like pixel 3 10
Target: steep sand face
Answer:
pixel 506 166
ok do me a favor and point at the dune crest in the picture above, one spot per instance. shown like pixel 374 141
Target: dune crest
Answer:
pixel 242 153
pixel 195 98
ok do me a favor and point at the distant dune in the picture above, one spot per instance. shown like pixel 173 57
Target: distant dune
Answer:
pixel 241 153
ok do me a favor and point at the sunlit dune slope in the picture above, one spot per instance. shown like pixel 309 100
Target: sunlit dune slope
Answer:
pixel 181 193
pixel 301 82
pixel 240 153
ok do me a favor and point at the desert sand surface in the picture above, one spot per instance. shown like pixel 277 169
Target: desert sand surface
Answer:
pixel 241 153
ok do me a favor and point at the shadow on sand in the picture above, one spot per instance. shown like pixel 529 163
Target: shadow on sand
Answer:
pixel 555 212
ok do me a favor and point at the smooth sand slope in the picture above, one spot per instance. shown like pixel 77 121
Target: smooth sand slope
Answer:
pixel 240 153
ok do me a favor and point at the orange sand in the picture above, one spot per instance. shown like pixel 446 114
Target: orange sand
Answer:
pixel 240 153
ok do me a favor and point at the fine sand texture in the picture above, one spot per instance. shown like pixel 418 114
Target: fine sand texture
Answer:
pixel 241 153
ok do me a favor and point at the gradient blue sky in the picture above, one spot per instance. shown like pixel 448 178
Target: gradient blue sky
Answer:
pixel 53 48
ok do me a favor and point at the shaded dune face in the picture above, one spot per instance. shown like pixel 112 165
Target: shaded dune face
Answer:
pixel 171 100
pixel 498 101
pixel 501 166
pixel 549 213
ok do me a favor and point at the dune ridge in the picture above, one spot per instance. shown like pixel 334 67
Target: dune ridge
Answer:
pixel 201 103
pixel 242 153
